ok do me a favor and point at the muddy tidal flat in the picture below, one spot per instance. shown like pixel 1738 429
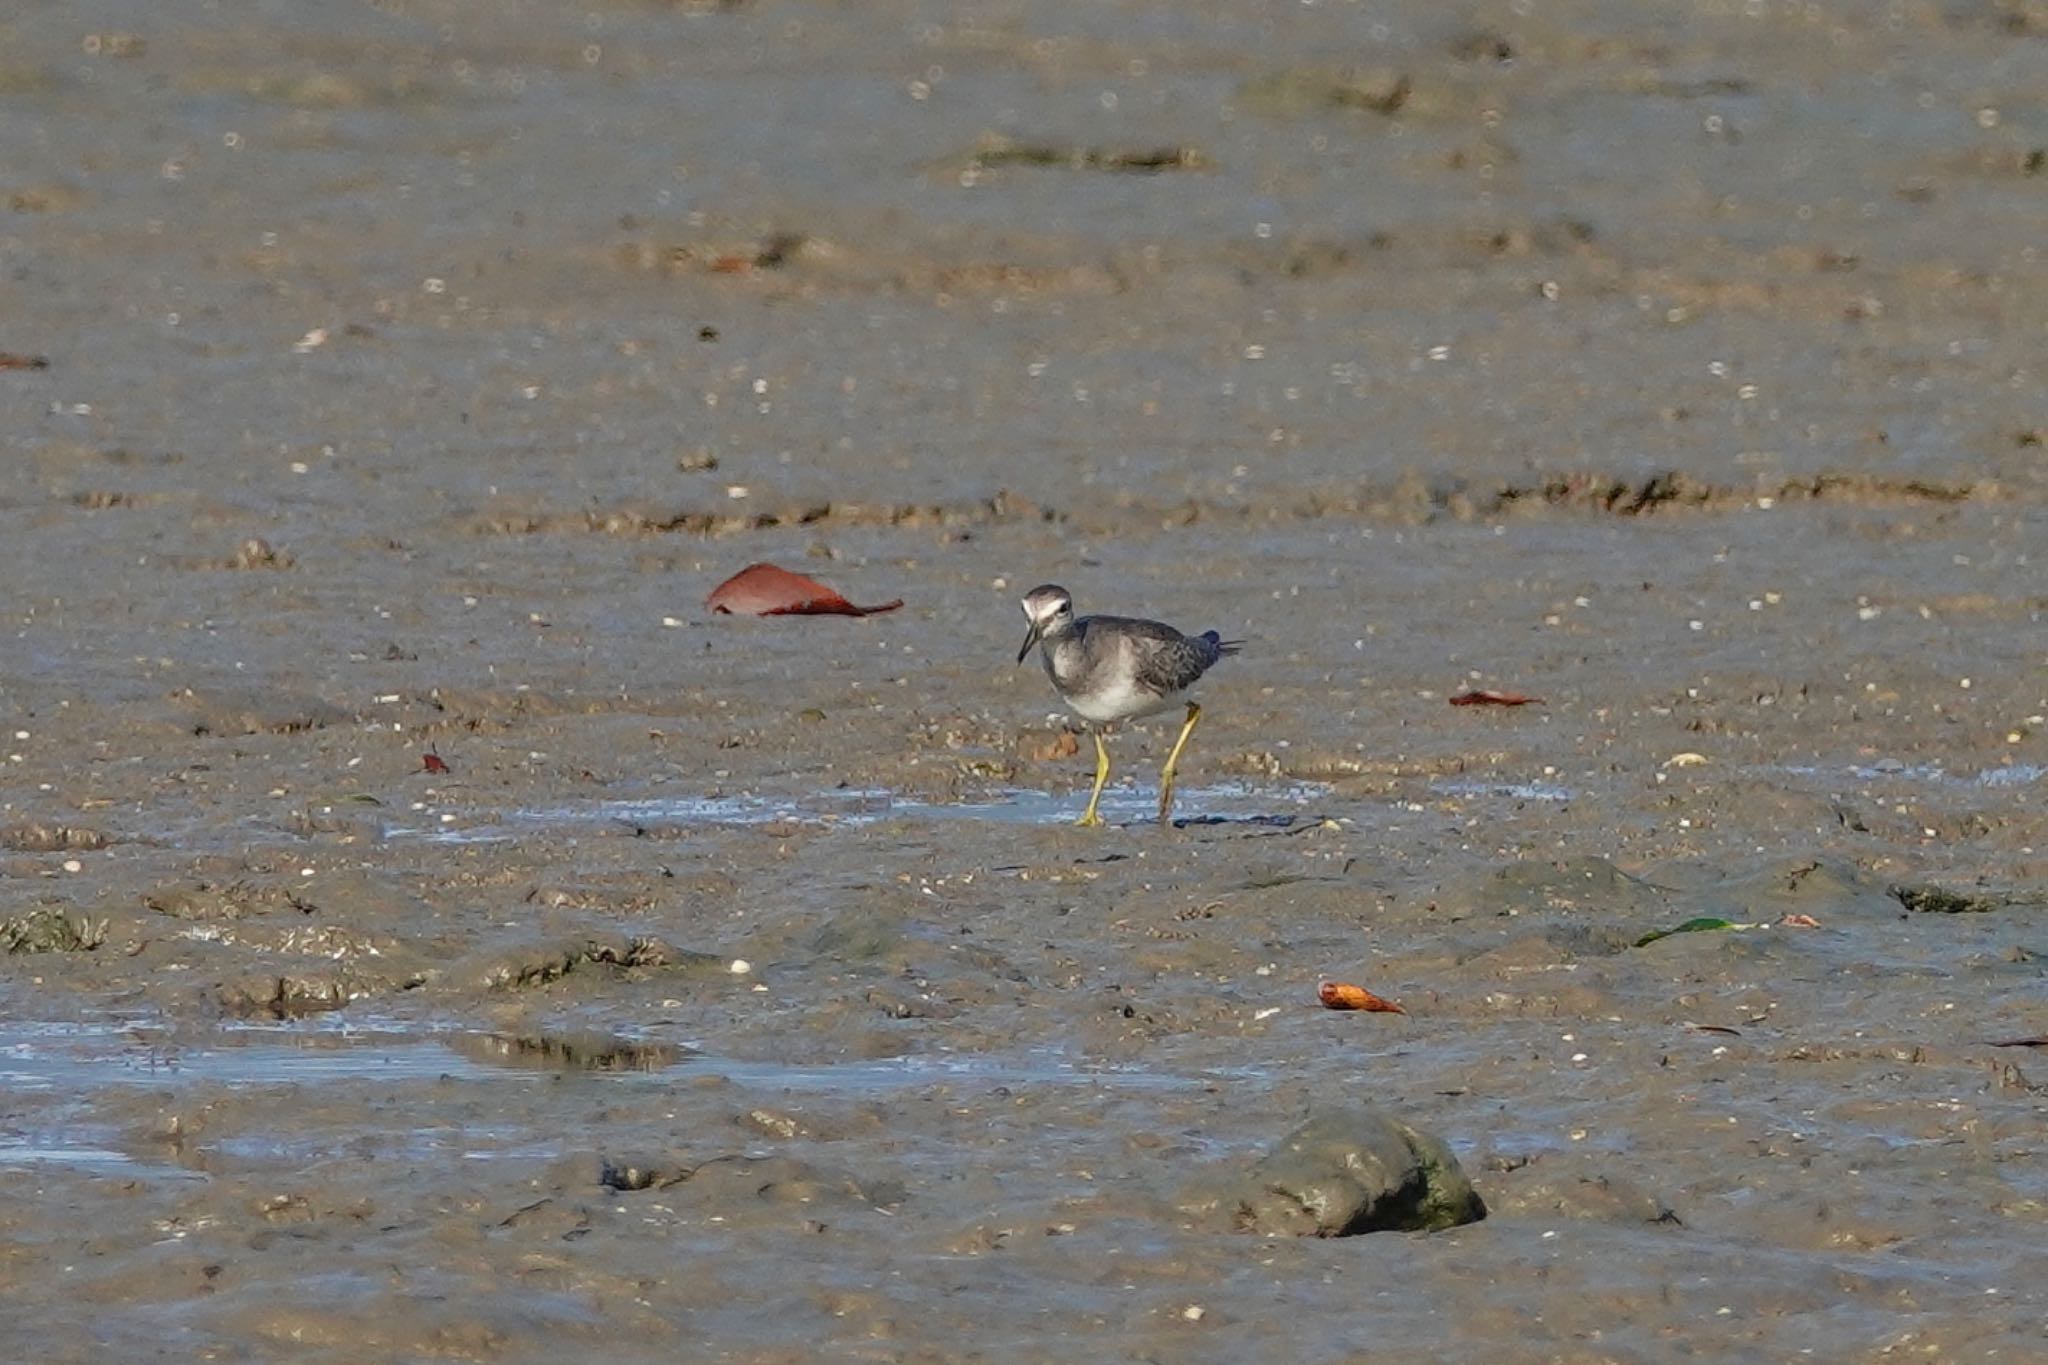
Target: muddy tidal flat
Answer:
pixel 428 932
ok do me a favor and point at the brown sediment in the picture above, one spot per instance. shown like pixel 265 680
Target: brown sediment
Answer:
pixel 742 989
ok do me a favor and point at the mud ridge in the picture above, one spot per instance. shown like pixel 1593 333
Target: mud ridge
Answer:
pixel 1413 499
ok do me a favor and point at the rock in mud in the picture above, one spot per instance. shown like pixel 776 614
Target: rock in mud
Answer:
pixel 49 929
pixel 1355 1170
pixel 213 902
pixel 1938 900
pixel 537 964
pixel 39 838
pixel 257 553
pixel 315 991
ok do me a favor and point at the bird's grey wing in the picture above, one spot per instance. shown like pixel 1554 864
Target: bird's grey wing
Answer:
pixel 1167 666
pixel 1161 659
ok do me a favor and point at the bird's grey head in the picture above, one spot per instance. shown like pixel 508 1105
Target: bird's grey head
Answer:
pixel 1050 610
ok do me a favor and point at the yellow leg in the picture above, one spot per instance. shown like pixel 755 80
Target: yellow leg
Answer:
pixel 1173 761
pixel 1090 817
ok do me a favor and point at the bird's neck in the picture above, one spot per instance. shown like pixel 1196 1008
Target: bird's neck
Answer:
pixel 1061 650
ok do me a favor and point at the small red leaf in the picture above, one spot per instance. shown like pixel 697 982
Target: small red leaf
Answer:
pixel 1486 696
pixel 431 762
pixel 765 590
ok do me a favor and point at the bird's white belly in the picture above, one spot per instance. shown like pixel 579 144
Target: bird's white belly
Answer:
pixel 1124 701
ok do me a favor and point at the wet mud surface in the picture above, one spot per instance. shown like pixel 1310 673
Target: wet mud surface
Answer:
pixel 386 383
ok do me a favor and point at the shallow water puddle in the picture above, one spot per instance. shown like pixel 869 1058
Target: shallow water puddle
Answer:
pixel 39 1148
pixel 1228 802
pixel 1933 774
pixel 1473 788
pixel 71 1060
pixel 1908 775
pixel 1223 803
pixel 70 1064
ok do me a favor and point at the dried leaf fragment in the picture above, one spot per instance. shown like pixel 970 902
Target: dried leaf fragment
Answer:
pixel 765 590
pixel 1486 696
pixel 1342 995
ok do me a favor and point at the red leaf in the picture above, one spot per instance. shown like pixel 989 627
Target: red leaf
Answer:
pixel 1486 696
pixel 431 762
pixel 1342 995
pixel 764 590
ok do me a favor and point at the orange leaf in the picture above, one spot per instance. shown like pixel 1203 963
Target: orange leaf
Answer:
pixel 1342 995
pixel 764 590
pixel 1486 696
pixel 1799 922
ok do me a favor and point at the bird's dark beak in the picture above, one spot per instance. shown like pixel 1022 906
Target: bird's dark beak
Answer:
pixel 1030 639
